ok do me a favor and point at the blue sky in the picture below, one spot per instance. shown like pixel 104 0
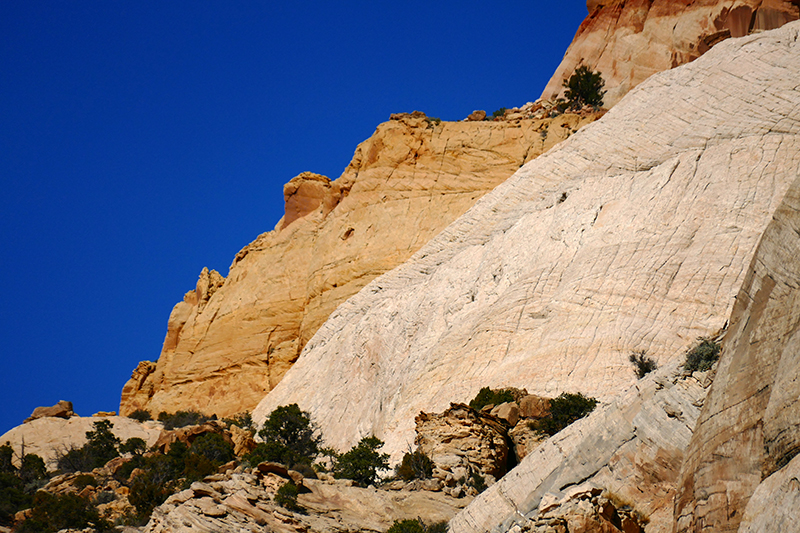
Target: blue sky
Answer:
pixel 141 141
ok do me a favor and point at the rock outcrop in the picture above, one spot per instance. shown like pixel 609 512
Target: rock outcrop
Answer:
pixel 232 339
pixel 629 40
pixel 632 447
pixel 637 233
pixel 63 409
pixel 50 437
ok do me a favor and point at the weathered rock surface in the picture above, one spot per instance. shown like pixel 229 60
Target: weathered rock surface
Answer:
pixel 62 409
pixel 632 447
pixel 750 426
pixel 49 437
pixel 629 40
pixel 773 506
pixel 403 186
pixel 634 234
pixel 243 501
pixel 461 440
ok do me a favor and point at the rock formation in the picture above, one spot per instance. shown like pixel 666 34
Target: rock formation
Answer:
pixel 62 409
pixel 637 233
pixel 50 437
pixel 232 339
pixel 629 40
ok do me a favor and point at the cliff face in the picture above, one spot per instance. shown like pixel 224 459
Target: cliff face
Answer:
pixel 232 339
pixel 636 233
pixel 629 40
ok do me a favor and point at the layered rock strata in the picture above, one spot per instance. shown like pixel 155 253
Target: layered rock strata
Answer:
pixel 635 234
pixel 629 40
pixel 232 339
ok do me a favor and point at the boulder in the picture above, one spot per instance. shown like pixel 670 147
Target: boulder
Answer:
pixel 62 409
pixel 476 115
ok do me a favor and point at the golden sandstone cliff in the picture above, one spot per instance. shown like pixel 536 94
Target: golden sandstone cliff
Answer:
pixel 629 40
pixel 232 339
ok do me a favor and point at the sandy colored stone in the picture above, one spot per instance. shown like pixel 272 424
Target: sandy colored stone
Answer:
pixel 232 339
pixel 636 233
pixel 63 409
pixel 629 40
pixel 774 505
pixel 50 437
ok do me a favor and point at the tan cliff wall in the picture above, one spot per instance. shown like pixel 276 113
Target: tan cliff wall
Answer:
pixel 629 40
pixel 634 234
pixel 232 339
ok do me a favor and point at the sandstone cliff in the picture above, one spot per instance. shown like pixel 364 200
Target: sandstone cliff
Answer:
pixel 635 233
pixel 629 40
pixel 232 339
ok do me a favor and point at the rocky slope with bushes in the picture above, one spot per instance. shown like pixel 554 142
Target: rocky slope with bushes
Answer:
pixel 636 233
pixel 231 340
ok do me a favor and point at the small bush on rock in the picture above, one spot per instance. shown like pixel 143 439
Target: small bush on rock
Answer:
pixel 181 419
pixel 102 446
pixel 702 356
pixel 584 87
pixel 564 410
pixel 415 465
pixel 289 437
pixel 642 364
pixel 213 447
pixel 487 396
pixel 141 415
pixel 133 445
pixel 362 463
pixel 286 497
pixel 243 420
pixel 84 480
pixel 53 512
pixel 416 526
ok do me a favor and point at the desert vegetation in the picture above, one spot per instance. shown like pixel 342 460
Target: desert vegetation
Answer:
pixel 583 88
pixel 564 410
pixel 642 363
pixel 702 355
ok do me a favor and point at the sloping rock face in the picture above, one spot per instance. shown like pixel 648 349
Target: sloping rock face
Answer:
pixel 232 339
pixel 634 234
pixel 50 437
pixel 629 40
pixel 750 426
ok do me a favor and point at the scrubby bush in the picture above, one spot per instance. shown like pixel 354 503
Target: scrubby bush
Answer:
pixel 702 356
pixel 487 396
pixel 84 480
pixel 17 485
pixel 6 458
pixel 415 465
pixel 213 447
pixel 362 463
pixel 51 512
pixel 642 364
pixel 102 446
pixel 416 526
pixel 564 410
pixel 181 419
pixel 286 496
pixel 584 88
pixel 13 497
pixel 243 420
pixel 133 445
pixel 499 113
pixel 289 437
pixel 32 471
pixel 141 415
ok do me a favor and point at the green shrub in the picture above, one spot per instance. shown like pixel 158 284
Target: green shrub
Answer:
pixel 362 462
pixel 564 410
pixel 13 497
pixel 702 356
pixel 286 497
pixel 642 364
pixel 52 513
pixel 181 419
pixel 32 470
pixel 487 396
pixel 584 87
pixel 133 445
pixel 499 113
pixel 213 447
pixel 141 415
pixel 6 456
pixel 101 448
pixel 416 526
pixel 415 465
pixel 243 420
pixel 289 436
pixel 84 480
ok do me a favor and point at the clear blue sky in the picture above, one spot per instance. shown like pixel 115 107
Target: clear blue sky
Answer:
pixel 141 141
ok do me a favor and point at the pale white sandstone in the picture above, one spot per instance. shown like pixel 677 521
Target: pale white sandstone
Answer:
pixel 50 437
pixel 635 233
pixel 773 507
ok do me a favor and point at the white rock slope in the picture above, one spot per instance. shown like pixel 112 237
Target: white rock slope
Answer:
pixel 634 234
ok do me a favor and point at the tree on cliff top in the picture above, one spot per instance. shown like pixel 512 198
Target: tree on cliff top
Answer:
pixel 584 87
